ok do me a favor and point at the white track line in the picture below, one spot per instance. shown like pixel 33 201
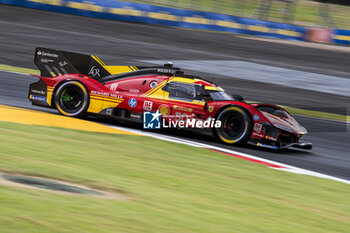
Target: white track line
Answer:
pixel 284 167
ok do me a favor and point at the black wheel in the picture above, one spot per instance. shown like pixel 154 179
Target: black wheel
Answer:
pixel 236 125
pixel 72 99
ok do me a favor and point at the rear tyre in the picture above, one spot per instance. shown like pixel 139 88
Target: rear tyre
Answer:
pixel 236 125
pixel 72 99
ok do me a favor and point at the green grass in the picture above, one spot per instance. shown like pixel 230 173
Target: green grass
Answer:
pixel 18 69
pixel 172 188
pixel 307 11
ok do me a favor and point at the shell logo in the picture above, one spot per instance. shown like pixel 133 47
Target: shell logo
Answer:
pixel 164 110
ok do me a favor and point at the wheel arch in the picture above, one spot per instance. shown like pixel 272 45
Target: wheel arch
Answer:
pixel 60 84
pixel 233 105
pixel 81 86
pixel 240 107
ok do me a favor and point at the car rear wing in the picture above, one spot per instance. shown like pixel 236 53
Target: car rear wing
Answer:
pixel 53 62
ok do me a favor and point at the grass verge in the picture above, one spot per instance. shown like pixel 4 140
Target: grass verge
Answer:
pixel 18 69
pixel 307 12
pixel 172 188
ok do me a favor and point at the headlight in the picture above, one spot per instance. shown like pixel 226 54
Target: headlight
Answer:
pixel 302 131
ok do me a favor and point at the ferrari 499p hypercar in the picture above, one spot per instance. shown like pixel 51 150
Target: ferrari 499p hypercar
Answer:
pixel 77 85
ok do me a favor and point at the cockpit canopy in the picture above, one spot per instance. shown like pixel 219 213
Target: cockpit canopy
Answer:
pixel 196 91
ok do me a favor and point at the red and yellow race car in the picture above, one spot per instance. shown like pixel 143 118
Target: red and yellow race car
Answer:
pixel 77 85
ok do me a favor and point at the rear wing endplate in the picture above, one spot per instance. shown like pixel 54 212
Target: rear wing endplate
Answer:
pixel 53 62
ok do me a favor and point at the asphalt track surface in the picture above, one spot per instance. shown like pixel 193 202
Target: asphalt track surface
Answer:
pixel 21 30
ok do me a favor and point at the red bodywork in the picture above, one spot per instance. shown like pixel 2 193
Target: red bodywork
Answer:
pixel 107 98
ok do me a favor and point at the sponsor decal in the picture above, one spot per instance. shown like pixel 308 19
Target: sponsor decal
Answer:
pixel 44 60
pixel 267 146
pixel 99 93
pixel 183 109
pixel 134 91
pixel 164 109
pixel 113 87
pixel 151 120
pixel 47 54
pixel 256 117
pixel 116 96
pixel 167 71
pixel 147 105
pixel 38 92
pixel 132 103
pixel 211 109
pixel 94 71
pixel 62 63
pixel 36 97
pixel 137 116
pixel 153 84
pixel 258 135
pixel 257 127
pixel 181 116
pixel 270 138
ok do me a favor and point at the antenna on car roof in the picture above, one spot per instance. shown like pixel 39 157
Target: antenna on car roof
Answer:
pixel 169 64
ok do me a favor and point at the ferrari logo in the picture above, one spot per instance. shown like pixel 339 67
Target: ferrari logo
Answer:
pixel 211 109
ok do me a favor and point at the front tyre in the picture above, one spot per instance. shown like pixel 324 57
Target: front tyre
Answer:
pixel 236 125
pixel 72 99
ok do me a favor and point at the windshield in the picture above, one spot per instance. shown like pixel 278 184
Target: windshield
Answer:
pixel 189 92
pixel 219 95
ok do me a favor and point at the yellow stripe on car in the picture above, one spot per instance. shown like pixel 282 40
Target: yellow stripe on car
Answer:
pixel 98 60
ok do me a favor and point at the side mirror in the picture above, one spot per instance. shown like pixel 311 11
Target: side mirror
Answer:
pixel 238 98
